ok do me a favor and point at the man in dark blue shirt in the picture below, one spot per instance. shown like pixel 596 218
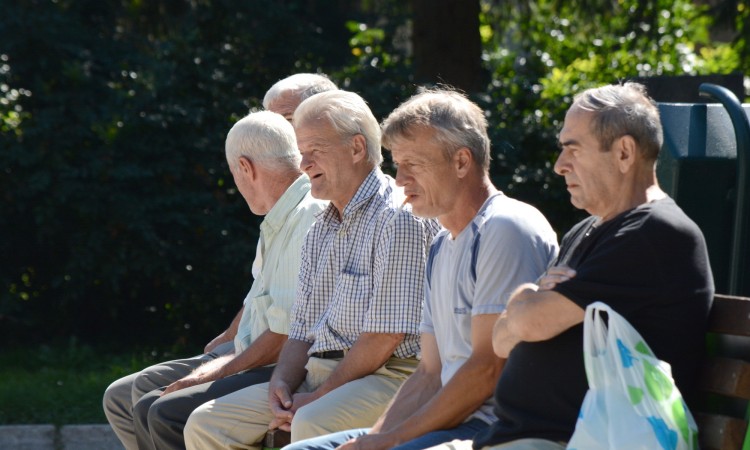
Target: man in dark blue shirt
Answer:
pixel 638 252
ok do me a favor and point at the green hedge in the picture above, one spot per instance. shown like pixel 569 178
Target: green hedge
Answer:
pixel 119 220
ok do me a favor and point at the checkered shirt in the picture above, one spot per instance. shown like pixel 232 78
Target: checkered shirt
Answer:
pixel 363 273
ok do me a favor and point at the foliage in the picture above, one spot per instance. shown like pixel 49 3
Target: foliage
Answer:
pixel 543 52
pixel 117 204
pixel 379 69
pixel 119 218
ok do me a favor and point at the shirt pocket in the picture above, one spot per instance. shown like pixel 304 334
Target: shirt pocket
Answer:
pixel 352 300
pixel 258 315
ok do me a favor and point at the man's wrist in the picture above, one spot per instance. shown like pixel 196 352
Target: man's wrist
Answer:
pixel 388 439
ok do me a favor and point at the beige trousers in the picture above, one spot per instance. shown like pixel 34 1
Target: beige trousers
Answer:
pixel 240 420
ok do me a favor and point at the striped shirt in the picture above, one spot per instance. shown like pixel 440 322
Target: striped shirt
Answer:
pixel 363 273
pixel 269 302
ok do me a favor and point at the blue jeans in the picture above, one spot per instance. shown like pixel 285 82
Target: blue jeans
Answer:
pixel 466 430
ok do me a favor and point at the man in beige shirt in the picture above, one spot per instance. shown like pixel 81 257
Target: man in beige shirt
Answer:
pixel 149 408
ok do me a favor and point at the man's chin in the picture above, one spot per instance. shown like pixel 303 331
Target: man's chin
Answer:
pixel 318 193
pixel 424 213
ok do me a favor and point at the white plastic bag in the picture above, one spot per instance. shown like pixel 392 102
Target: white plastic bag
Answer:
pixel 632 401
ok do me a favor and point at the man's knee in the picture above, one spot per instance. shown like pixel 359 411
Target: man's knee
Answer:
pixel 156 414
pixel 113 393
pixel 196 421
pixel 143 383
pixel 117 396
pixel 141 408
pixel 317 419
pixel 199 416
pixel 326 442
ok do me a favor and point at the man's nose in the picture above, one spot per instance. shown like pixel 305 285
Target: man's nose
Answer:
pixel 561 165
pixel 305 163
pixel 401 177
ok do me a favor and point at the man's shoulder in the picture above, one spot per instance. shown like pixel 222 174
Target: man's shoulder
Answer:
pixel 661 217
pixel 306 212
pixel 507 214
pixel 310 205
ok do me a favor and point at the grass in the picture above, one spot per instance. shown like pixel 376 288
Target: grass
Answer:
pixel 61 384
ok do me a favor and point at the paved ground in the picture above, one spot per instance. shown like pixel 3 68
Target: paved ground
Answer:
pixel 49 437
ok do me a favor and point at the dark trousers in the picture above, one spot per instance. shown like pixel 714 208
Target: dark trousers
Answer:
pixel 159 421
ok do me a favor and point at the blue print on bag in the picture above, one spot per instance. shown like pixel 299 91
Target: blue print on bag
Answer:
pixel 667 438
pixel 625 354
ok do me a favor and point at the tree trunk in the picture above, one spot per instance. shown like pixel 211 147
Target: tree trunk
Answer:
pixel 446 42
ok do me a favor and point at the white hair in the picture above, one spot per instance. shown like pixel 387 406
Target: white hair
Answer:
pixel 266 138
pixel 349 115
pixel 303 84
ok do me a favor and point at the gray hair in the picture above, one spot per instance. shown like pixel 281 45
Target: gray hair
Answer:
pixel 303 84
pixel 266 138
pixel 349 115
pixel 620 110
pixel 457 121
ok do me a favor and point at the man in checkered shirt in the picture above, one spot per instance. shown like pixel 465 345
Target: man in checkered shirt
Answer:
pixel 355 323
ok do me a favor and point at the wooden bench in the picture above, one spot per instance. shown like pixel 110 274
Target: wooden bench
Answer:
pixel 723 388
pixel 276 439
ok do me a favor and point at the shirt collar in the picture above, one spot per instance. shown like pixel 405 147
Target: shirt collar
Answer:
pixel 374 183
pixel 294 194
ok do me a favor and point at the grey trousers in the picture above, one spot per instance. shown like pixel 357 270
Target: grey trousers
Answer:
pixel 159 421
pixel 121 395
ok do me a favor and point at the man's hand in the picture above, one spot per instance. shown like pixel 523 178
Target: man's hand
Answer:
pixel 206 372
pixel 369 442
pixel 554 276
pixel 182 384
pixel 280 402
pixel 287 377
pixel 301 399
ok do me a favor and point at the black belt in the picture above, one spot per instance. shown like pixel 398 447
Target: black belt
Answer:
pixel 332 354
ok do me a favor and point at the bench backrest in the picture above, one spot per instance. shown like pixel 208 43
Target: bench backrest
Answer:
pixel 724 382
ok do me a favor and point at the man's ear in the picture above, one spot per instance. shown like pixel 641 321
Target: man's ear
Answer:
pixel 247 167
pixel 462 161
pixel 359 148
pixel 627 151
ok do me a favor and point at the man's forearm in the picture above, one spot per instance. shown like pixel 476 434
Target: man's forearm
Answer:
pixel 290 369
pixel 209 370
pixel 466 391
pixel 537 315
pixel 366 356
pixel 503 340
pixel 417 390
pixel 263 351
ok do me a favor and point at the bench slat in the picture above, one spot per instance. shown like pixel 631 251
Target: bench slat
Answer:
pixel 276 439
pixel 730 315
pixel 717 432
pixel 725 376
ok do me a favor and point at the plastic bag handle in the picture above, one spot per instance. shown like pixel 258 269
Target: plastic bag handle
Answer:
pixel 595 343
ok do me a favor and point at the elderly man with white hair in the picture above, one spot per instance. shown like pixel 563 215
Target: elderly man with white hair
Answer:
pixel 286 94
pixel 355 322
pixel 149 408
